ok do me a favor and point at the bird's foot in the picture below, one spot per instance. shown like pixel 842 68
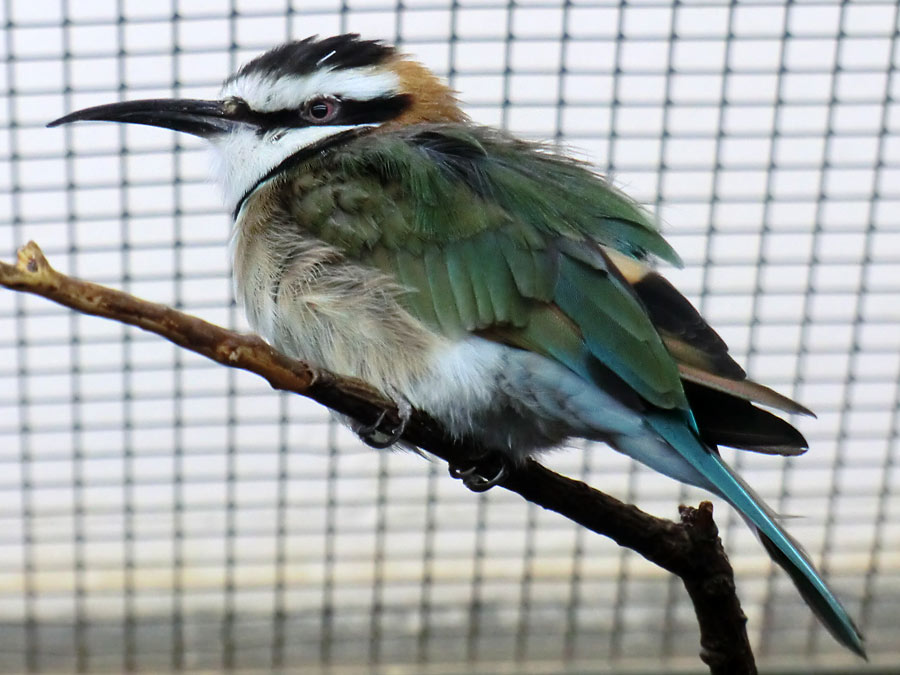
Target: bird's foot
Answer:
pixel 481 474
pixel 374 436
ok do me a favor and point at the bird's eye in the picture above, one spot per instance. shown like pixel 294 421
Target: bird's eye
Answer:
pixel 320 110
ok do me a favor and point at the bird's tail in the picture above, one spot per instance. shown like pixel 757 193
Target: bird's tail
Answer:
pixel 716 475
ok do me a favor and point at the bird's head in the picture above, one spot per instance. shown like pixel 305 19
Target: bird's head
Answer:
pixel 294 100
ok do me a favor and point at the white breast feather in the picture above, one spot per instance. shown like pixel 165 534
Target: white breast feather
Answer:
pixel 462 379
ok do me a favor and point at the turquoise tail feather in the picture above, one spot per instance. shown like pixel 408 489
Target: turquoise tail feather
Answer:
pixel 783 549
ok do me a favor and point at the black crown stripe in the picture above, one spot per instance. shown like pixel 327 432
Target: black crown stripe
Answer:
pixel 304 57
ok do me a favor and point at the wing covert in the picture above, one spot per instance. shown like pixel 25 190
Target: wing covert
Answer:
pixel 487 233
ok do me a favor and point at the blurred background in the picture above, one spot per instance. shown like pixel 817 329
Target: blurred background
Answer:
pixel 162 513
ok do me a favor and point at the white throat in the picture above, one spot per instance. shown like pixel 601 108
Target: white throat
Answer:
pixel 243 157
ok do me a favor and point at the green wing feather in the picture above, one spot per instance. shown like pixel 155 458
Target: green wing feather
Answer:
pixel 494 237
pixel 500 238
pixel 497 237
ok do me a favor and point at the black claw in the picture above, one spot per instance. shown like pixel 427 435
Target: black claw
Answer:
pixel 376 437
pixel 482 474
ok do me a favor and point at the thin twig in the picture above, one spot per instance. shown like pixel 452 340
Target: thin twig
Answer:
pixel 690 549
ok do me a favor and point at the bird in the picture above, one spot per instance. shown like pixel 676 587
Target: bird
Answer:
pixel 499 285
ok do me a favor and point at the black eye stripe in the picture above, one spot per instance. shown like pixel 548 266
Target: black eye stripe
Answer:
pixel 350 111
pixel 374 110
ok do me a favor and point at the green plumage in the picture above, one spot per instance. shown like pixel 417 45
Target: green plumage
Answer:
pixel 488 233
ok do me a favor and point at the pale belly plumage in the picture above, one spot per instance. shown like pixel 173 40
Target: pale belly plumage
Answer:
pixel 312 303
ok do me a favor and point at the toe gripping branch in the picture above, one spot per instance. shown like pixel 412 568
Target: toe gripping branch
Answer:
pixel 480 475
pixel 375 436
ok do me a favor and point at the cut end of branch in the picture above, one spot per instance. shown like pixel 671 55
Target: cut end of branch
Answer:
pixel 699 520
pixel 30 271
pixel 32 260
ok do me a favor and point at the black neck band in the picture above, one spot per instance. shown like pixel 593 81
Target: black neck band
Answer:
pixel 302 155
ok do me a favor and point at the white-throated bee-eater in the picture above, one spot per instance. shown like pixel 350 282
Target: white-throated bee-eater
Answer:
pixel 501 287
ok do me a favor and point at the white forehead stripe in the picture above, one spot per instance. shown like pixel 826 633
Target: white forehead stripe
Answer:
pixel 268 94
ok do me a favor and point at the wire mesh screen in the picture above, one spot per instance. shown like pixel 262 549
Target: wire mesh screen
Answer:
pixel 159 512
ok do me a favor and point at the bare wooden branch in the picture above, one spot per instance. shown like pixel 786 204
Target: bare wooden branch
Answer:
pixel 690 549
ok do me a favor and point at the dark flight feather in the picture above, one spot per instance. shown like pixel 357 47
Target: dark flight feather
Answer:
pixel 718 391
pixel 727 420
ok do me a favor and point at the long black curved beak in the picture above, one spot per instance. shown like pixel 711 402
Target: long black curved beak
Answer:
pixel 192 116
